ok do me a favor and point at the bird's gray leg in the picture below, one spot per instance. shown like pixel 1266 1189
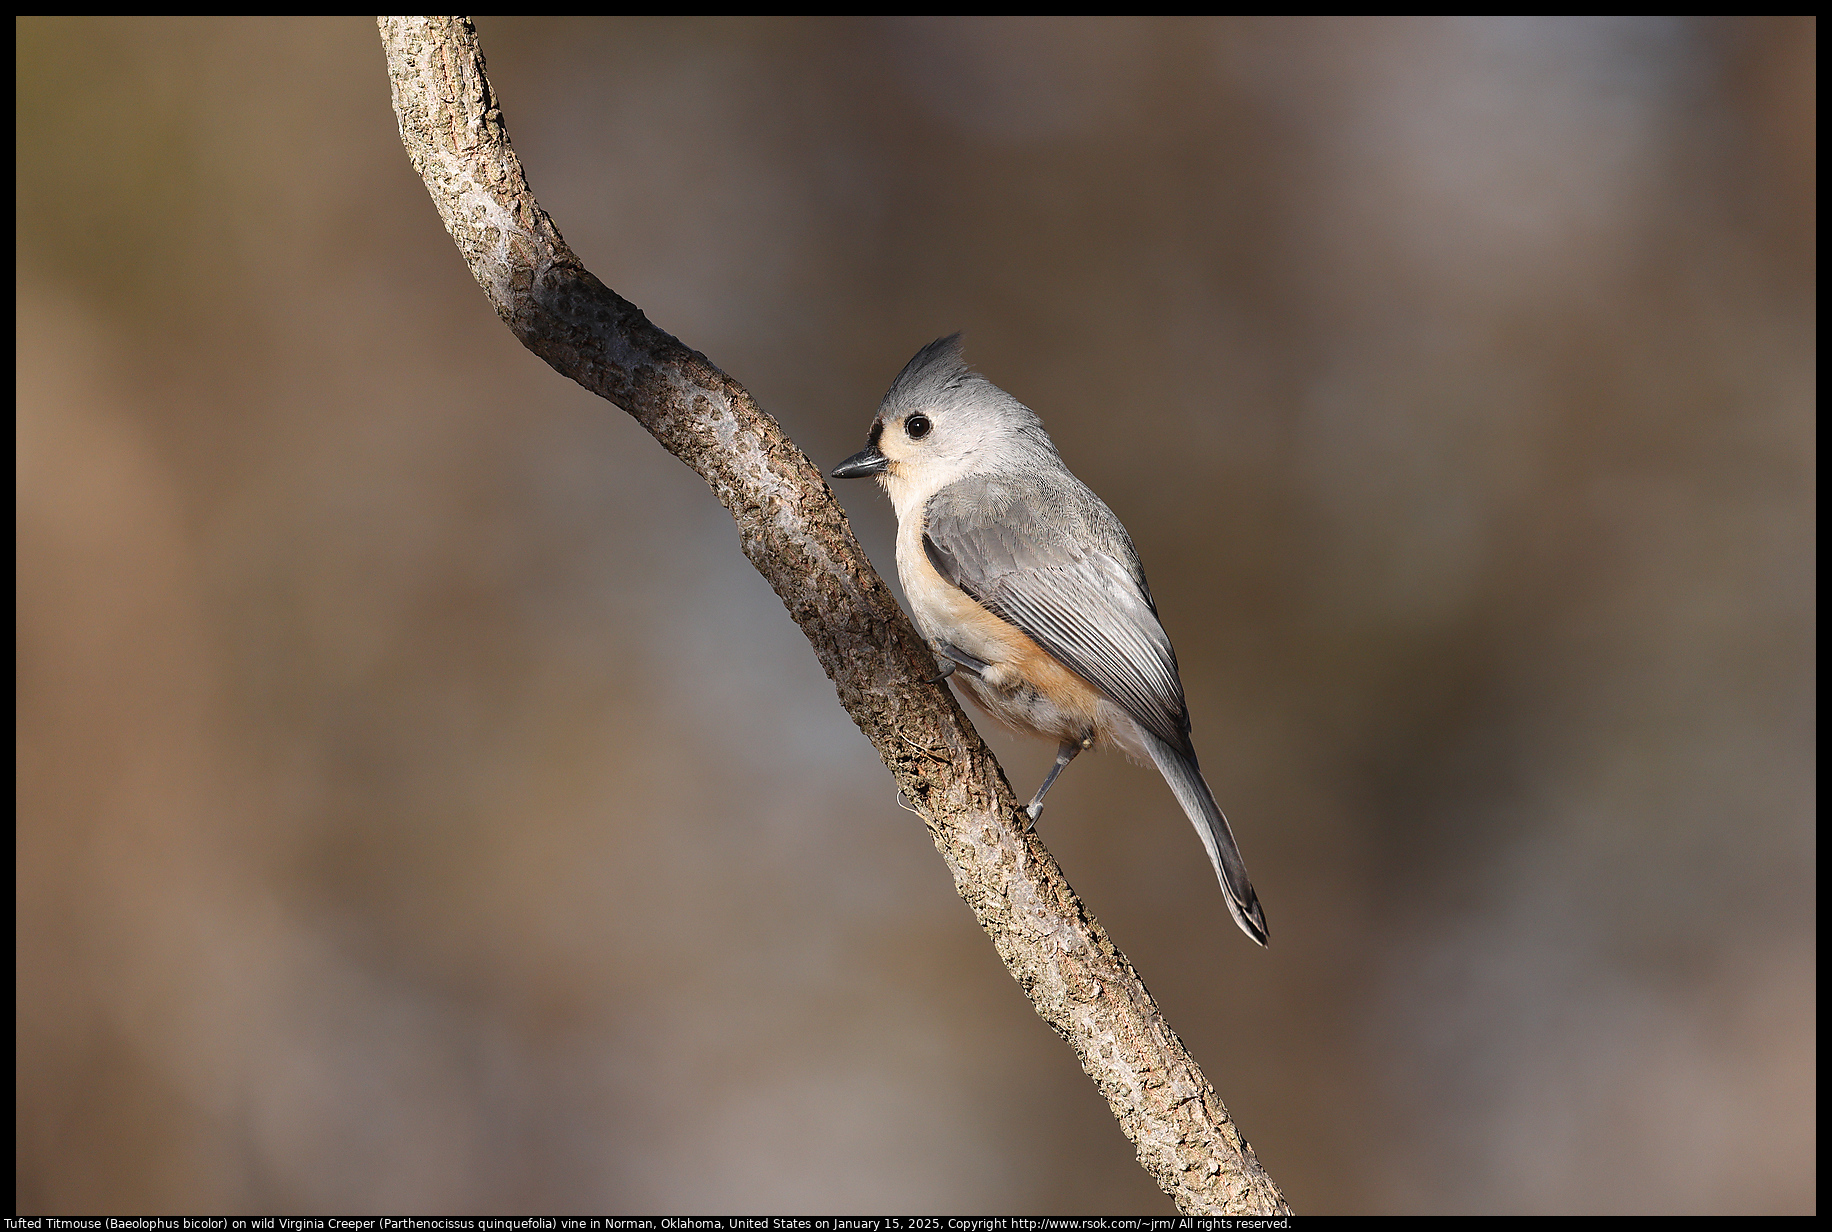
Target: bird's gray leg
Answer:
pixel 1066 753
pixel 956 657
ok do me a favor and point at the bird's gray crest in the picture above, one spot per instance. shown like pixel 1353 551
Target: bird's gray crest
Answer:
pixel 932 371
pixel 938 379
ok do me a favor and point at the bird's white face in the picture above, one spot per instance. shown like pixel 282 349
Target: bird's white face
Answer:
pixel 924 452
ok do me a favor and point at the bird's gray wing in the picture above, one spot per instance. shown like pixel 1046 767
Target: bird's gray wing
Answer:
pixel 1056 563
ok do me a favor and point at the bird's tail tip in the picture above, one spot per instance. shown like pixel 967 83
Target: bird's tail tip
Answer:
pixel 1192 792
pixel 1247 912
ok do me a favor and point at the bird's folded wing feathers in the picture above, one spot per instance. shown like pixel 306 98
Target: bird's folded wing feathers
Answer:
pixel 1053 568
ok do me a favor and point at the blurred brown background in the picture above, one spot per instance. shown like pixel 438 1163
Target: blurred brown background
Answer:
pixel 423 807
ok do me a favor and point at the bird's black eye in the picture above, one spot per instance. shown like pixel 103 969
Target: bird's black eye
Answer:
pixel 917 426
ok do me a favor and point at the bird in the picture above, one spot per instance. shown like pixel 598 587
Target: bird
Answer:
pixel 1029 591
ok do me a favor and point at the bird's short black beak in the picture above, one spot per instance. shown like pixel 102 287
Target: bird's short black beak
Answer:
pixel 868 461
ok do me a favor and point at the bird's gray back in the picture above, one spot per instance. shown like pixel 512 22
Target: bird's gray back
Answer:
pixel 1040 550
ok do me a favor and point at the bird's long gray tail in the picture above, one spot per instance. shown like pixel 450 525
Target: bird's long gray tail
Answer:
pixel 1186 783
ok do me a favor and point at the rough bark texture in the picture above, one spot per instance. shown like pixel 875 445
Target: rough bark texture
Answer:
pixel 798 538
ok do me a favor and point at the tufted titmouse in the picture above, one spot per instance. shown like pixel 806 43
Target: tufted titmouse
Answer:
pixel 1029 589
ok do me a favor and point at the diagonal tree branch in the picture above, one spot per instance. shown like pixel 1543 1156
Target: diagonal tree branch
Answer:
pixel 798 538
